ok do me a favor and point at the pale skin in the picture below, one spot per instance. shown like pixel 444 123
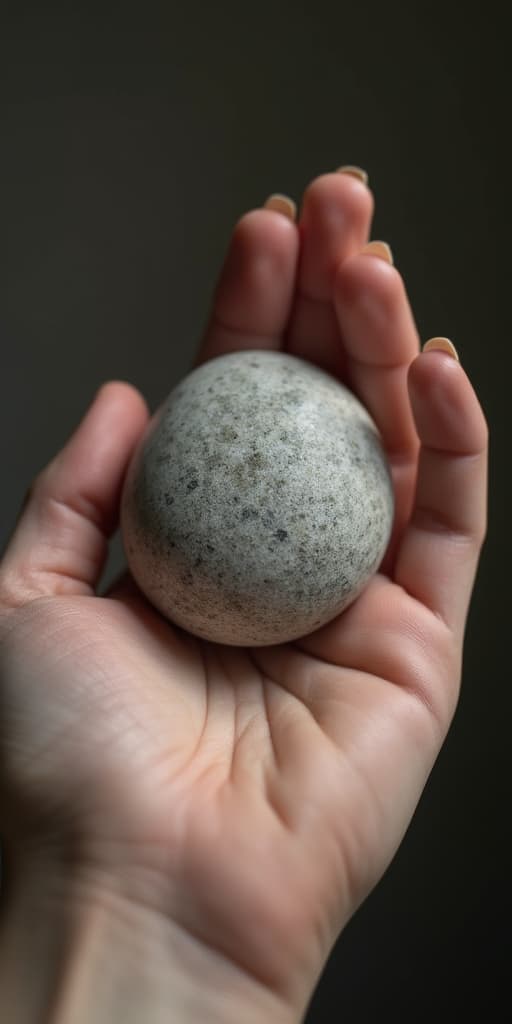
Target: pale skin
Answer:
pixel 189 826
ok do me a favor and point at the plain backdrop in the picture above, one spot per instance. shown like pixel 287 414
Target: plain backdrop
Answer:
pixel 132 137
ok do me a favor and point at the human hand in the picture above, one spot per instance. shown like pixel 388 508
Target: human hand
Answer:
pixel 231 808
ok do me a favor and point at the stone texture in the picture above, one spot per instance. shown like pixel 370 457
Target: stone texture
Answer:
pixel 259 502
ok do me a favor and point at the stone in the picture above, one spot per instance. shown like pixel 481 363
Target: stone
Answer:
pixel 259 502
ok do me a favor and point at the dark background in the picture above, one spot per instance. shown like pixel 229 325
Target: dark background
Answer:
pixel 132 138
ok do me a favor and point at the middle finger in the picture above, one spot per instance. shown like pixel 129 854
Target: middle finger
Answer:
pixel 334 224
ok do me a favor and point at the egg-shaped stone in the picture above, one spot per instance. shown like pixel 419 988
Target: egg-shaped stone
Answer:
pixel 259 502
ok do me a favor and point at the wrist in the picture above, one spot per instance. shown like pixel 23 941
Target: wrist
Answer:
pixel 73 950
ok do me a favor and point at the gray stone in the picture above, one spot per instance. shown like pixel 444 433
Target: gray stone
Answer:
pixel 259 503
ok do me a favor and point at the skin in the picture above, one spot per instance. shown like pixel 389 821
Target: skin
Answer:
pixel 232 807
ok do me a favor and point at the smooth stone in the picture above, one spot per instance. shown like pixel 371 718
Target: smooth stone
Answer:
pixel 259 502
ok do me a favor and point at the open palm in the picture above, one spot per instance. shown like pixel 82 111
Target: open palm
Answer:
pixel 254 795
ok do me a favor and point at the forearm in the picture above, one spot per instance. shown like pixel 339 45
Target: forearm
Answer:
pixel 72 955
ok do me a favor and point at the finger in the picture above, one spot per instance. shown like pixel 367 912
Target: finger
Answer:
pixel 251 303
pixel 438 556
pixel 60 542
pixel 334 223
pixel 380 340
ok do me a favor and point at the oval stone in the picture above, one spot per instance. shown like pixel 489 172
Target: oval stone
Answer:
pixel 259 502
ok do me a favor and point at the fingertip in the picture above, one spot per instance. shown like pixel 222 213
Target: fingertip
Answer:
pixel 122 392
pixel 115 419
pixel 431 365
pixel 365 279
pixel 435 374
pixel 341 196
pixel 253 294
pixel 446 408
pixel 262 246
pixel 374 313
pixel 259 230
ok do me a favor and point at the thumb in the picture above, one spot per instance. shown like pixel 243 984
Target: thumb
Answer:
pixel 61 539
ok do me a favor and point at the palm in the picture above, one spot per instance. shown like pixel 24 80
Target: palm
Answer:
pixel 233 764
pixel 272 784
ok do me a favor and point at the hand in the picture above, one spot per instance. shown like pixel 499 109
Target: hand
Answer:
pixel 246 800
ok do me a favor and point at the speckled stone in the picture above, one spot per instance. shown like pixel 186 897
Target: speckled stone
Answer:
pixel 259 503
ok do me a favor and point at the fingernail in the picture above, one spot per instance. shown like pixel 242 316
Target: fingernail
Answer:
pixel 380 249
pixel 441 345
pixel 356 172
pixel 281 204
